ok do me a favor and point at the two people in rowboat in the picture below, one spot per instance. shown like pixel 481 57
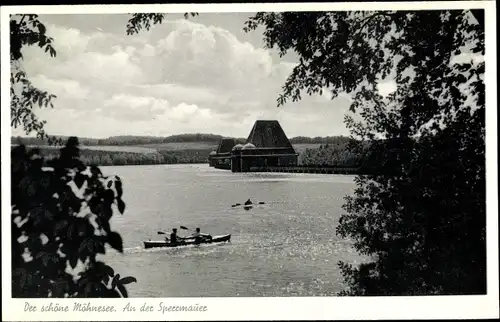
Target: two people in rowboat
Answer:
pixel 198 237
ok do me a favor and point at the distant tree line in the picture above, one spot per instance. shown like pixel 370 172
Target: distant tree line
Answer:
pixel 334 153
pixel 180 138
pixel 335 140
pixel 337 155
pixel 326 155
pixel 108 158
pixel 127 139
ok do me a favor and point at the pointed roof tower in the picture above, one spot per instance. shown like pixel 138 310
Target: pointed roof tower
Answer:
pixel 226 145
pixel 268 134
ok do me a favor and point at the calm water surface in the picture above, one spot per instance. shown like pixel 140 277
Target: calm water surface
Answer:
pixel 286 247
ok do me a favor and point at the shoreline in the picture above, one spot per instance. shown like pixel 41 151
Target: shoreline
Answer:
pixel 229 171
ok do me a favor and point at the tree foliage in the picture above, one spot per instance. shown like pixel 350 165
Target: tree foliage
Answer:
pixel 61 222
pixel 27 30
pixel 331 155
pixel 420 214
pixel 140 21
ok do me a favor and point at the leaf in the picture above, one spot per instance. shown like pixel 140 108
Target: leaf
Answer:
pixel 84 249
pixel 40 255
pixel 123 290
pixel 95 171
pixel 22 274
pixel 73 260
pixel 108 197
pixel 100 248
pixel 48 215
pixel 41 29
pixel 79 180
pixel 52 52
pixel 115 280
pixel 115 241
pixel 121 206
pixel 128 280
pixel 105 225
pixel 476 50
pixel 109 270
pixel 88 289
pixel 118 187
pixel 82 281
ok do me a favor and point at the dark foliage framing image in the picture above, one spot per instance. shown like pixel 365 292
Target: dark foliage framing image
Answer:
pixel 417 211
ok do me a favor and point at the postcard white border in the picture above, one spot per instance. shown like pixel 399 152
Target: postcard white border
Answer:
pixel 278 308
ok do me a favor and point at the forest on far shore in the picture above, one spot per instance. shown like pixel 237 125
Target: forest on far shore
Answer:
pixel 189 148
pixel 179 138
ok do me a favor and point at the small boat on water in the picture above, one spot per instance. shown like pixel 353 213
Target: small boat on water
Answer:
pixel 163 243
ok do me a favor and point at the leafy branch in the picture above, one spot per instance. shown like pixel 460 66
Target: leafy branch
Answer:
pixel 145 21
pixel 28 31
pixel 61 212
pixel 421 205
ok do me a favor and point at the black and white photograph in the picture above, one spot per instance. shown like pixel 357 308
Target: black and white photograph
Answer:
pixel 280 152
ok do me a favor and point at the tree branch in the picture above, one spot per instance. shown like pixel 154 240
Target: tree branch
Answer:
pixel 368 19
pixel 20 22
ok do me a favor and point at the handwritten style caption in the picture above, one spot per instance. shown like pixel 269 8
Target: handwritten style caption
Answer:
pixel 127 307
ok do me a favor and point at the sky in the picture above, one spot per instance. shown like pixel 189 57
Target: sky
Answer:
pixel 201 75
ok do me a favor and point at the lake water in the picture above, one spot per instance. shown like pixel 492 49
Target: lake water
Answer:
pixel 286 247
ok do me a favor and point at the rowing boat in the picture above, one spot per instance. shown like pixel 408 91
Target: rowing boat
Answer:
pixel 163 243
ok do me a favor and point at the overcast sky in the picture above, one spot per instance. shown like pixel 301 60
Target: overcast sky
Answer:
pixel 202 75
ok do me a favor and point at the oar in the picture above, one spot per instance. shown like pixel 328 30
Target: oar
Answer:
pixel 185 228
pixel 164 233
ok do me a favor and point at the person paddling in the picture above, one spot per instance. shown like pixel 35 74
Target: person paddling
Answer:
pixel 199 237
pixel 174 239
